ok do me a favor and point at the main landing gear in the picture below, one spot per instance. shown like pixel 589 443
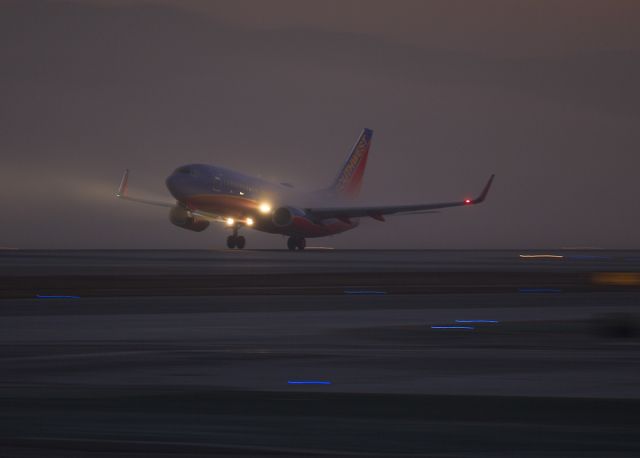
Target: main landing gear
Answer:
pixel 296 243
pixel 235 240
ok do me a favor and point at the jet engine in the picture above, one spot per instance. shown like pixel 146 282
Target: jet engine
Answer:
pixel 284 216
pixel 296 221
pixel 181 217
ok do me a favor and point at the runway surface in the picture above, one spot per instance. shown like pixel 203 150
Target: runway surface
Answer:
pixel 231 272
pixel 412 353
pixel 311 261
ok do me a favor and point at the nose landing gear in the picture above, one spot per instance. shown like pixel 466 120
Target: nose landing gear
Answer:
pixel 296 243
pixel 235 240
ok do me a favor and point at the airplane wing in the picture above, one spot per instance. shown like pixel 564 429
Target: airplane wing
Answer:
pixel 123 193
pixel 378 213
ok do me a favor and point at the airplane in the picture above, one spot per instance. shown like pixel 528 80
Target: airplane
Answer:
pixel 206 193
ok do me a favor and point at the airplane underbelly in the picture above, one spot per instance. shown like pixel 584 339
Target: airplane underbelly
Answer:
pixel 304 227
pixel 240 207
pixel 223 205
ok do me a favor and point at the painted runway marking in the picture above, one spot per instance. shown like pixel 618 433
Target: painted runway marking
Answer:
pixel 309 382
pixel 542 256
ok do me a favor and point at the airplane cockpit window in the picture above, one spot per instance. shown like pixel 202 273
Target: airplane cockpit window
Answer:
pixel 186 169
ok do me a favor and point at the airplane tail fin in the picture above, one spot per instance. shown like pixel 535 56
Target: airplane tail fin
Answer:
pixel 349 179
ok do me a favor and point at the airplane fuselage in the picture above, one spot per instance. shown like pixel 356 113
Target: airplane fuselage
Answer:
pixel 250 201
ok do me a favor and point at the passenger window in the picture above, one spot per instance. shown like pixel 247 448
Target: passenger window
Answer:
pixel 217 183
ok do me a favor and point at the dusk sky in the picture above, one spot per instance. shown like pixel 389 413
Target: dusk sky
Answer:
pixel 545 94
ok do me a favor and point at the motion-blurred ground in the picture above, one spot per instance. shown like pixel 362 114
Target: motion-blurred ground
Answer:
pixel 428 353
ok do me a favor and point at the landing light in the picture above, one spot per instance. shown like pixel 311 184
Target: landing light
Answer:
pixel 264 207
pixel 230 221
pixel 249 221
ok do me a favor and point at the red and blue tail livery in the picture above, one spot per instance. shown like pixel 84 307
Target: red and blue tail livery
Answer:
pixel 349 181
pixel 206 193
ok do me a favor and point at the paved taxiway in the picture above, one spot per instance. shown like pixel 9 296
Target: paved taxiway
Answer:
pixel 104 374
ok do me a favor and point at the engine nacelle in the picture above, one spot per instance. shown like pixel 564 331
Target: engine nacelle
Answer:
pixel 182 218
pixel 296 221
pixel 284 216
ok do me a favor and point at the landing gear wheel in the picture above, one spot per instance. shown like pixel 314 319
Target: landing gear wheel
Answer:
pixel 296 243
pixel 240 242
pixel 232 241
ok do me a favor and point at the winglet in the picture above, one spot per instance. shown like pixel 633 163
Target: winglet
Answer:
pixel 124 184
pixel 484 192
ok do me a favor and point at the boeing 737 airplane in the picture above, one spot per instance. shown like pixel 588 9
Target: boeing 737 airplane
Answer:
pixel 206 194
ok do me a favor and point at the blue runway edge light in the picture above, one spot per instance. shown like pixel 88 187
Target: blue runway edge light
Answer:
pixel 43 296
pixel 309 382
pixel 590 258
pixel 453 327
pixel 477 321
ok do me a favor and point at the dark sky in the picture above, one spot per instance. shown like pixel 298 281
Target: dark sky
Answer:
pixel 546 94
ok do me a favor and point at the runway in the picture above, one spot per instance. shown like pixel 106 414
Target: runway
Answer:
pixel 435 364
pixel 245 272
pixel 312 261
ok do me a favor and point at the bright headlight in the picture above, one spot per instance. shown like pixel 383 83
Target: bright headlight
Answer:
pixel 230 221
pixel 249 221
pixel 264 207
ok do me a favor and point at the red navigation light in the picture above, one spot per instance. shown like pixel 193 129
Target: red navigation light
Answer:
pixel 467 201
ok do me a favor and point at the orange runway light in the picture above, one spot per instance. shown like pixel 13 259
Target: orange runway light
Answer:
pixel 616 278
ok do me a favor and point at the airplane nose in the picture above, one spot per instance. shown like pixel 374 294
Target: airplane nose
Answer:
pixel 173 185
